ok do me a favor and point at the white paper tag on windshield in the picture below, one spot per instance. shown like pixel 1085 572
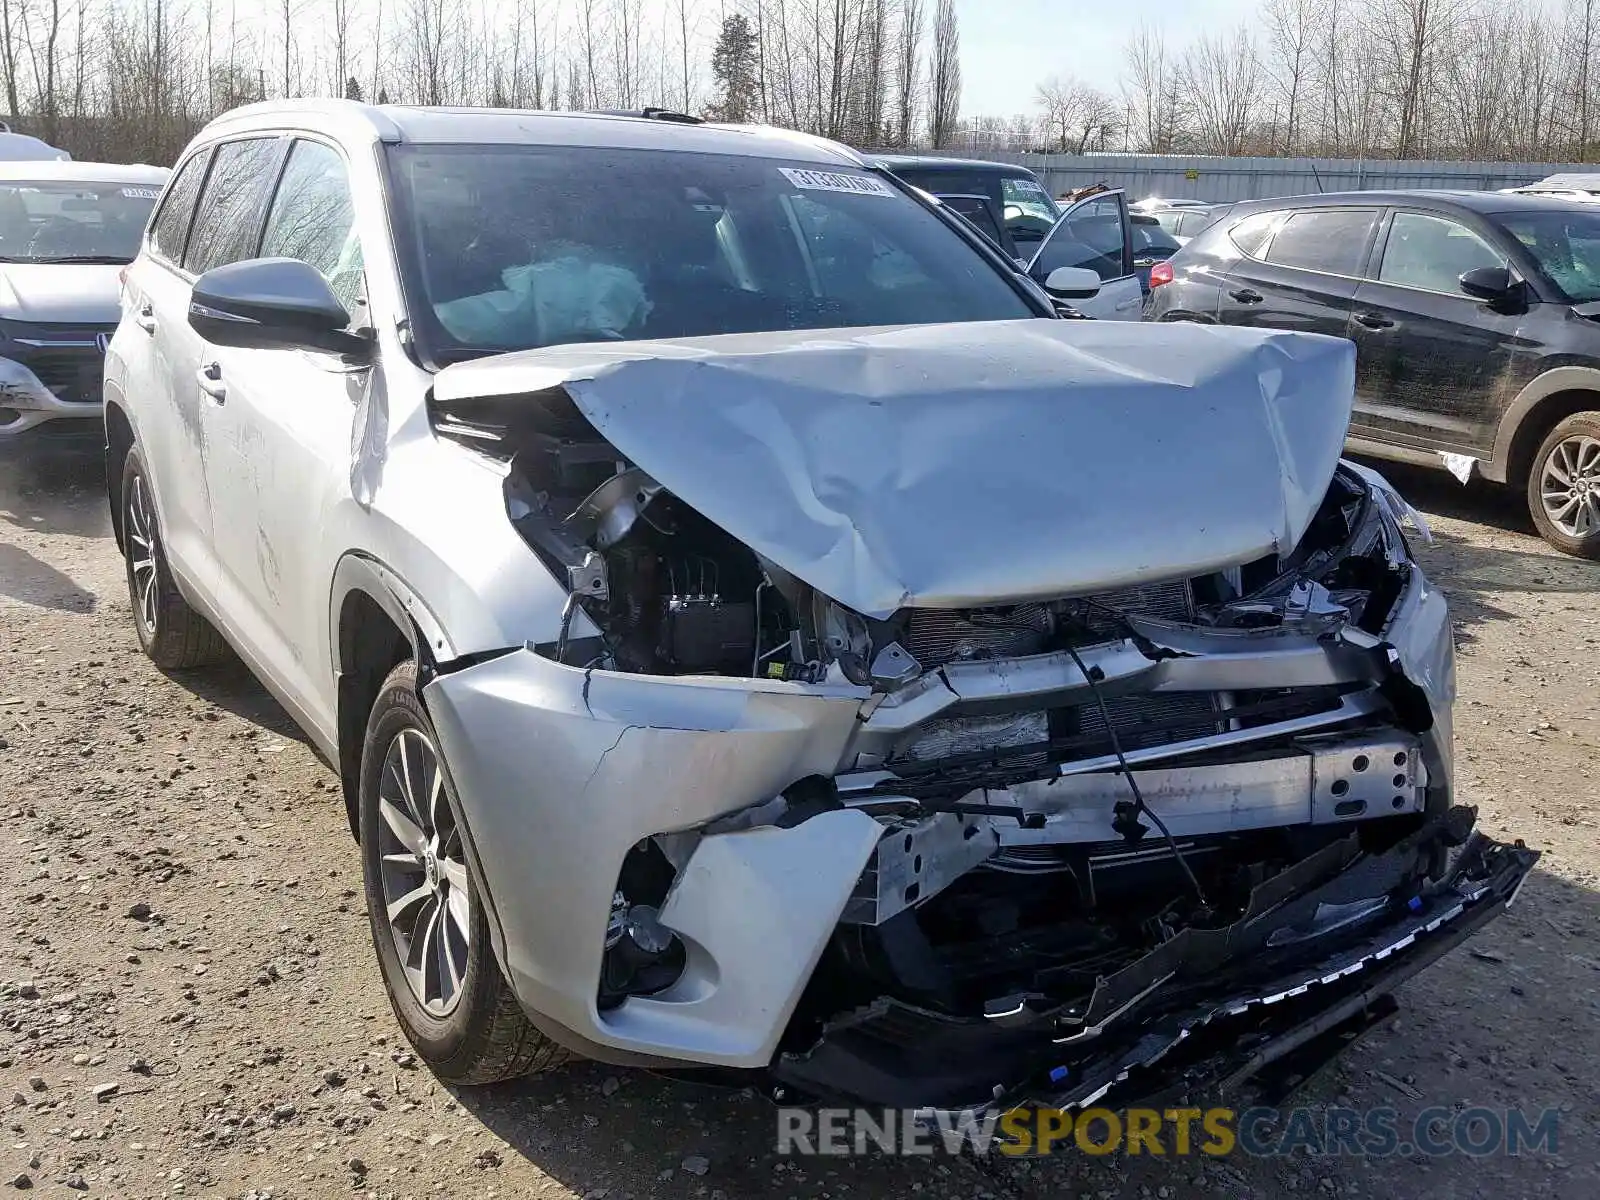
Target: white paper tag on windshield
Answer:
pixel 141 193
pixel 833 181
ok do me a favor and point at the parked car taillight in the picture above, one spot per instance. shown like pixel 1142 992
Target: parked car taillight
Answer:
pixel 1161 273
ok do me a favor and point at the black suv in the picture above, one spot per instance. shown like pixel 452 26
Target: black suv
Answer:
pixel 1476 319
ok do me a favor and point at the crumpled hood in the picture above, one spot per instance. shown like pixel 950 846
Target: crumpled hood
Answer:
pixel 60 293
pixel 947 466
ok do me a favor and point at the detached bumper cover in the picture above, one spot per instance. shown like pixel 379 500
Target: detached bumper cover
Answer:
pixel 1203 1011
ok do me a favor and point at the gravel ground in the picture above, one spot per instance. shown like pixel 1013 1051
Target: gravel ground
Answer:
pixel 189 1004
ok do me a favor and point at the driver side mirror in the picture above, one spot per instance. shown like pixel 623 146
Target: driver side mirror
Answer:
pixel 1072 283
pixel 1488 283
pixel 272 304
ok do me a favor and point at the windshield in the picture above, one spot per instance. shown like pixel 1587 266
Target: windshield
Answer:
pixel 1565 245
pixel 515 247
pixel 58 221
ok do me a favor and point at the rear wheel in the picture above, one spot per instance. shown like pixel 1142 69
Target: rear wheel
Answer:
pixel 174 636
pixel 1564 486
pixel 428 928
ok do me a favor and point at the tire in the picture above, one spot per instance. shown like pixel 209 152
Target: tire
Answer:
pixel 1564 486
pixel 455 1007
pixel 173 635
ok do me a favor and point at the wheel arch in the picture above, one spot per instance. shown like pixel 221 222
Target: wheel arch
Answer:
pixel 119 441
pixel 377 622
pixel 1539 408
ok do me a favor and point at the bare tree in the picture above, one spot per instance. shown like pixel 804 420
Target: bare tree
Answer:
pixel 1408 36
pixel 908 70
pixel 1150 92
pixel 944 75
pixel 1073 112
pixel 1221 78
pixel 1292 28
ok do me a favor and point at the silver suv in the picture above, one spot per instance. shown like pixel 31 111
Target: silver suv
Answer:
pixel 755 635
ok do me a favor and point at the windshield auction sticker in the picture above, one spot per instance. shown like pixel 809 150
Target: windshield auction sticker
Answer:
pixel 832 181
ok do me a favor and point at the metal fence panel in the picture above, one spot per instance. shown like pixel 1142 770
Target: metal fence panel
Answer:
pixel 1221 180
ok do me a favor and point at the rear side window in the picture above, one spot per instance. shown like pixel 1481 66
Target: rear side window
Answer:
pixel 229 218
pixel 1332 241
pixel 313 219
pixel 1252 234
pixel 171 225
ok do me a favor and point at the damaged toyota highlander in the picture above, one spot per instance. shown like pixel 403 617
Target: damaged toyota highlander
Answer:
pixel 757 639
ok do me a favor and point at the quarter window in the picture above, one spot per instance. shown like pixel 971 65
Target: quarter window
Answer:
pixel 1252 234
pixel 313 219
pixel 1332 241
pixel 171 225
pixel 1433 253
pixel 229 217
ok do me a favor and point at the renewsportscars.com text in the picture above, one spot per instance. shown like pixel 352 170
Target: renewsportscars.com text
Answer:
pixel 1176 1132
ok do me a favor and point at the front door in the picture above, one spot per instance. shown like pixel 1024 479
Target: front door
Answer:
pixel 1095 233
pixel 1433 365
pixel 279 428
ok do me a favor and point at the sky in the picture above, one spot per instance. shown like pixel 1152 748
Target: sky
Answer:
pixel 1009 46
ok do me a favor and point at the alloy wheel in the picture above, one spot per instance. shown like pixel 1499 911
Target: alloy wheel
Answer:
pixel 423 872
pixel 1569 486
pixel 142 545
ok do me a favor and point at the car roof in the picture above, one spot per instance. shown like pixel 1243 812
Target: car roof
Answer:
pixel 45 170
pixel 935 162
pixel 402 124
pixel 1482 202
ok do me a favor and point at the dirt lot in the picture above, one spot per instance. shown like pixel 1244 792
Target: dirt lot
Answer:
pixel 188 1002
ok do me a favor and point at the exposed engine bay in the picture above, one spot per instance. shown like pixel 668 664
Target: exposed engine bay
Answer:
pixel 1104 818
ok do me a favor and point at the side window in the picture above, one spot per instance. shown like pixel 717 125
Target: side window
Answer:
pixel 171 224
pixel 1091 236
pixel 313 219
pixel 1433 253
pixel 1332 241
pixel 1252 234
pixel 229 217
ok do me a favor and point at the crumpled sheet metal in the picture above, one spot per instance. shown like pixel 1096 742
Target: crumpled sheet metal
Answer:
pixel 947 466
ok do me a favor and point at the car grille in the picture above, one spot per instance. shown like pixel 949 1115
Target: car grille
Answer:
pixel 73 375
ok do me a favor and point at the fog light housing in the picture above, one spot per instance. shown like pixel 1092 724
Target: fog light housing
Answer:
pixel 642 955
pixel 9 416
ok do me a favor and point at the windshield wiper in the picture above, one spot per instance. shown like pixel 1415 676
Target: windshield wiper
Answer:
pixel 107 260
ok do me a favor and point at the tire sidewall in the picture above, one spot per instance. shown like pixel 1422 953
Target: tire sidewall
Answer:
pixel 1579 423
pixel 133 468
pixel 441 1041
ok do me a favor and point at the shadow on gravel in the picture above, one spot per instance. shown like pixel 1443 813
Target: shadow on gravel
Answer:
pixel 231 687
pixel 24 578
pixel 1440 493
pixel 594 1128
pixel 62 491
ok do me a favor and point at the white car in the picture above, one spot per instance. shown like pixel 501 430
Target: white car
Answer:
pixel 756 636
pixel 66 231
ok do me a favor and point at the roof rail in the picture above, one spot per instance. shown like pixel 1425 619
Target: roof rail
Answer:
pixel 649 114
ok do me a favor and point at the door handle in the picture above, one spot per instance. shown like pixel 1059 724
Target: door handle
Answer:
pixel 145 318
pixel 1374 320
pixel 1246 296
pixel 210 379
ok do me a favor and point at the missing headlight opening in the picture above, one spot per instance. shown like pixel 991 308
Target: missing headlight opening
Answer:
pixel 1093 810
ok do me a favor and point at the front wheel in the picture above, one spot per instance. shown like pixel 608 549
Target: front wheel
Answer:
pixel 1564 486
pixel 428 927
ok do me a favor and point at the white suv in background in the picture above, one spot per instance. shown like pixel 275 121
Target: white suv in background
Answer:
pixel 66 231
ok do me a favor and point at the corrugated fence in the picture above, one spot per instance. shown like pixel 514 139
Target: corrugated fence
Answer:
pixel 1220 180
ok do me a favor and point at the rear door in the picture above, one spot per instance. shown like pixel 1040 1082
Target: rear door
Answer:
pixel 1095 233
pixel 225 224
pixel 279 429
pixel 1298 269
pixel 1432 363
pixel 136 372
